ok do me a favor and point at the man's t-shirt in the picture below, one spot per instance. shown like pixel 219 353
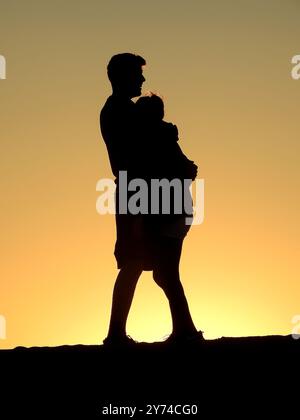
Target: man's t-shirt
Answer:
pixel 118 125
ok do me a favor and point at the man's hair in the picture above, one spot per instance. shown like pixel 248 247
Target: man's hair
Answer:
pixel 122 65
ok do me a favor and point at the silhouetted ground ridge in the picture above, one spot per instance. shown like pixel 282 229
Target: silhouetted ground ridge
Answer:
pixel 217 376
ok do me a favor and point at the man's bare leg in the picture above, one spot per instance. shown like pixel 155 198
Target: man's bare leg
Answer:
pixel 122 298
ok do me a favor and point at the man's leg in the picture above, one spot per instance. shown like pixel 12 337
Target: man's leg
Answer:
pixel 122 297
pixel 166 275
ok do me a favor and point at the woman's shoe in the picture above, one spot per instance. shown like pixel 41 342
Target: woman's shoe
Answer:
pixel 124 341
pixel 185 339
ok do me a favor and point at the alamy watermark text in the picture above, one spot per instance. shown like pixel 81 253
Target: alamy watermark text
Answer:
pixel 2 67
pixel 138 196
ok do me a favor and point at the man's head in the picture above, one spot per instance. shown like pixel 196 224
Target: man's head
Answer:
pixel 126 74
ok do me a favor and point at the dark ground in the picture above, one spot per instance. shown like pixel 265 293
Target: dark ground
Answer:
pixel 252 377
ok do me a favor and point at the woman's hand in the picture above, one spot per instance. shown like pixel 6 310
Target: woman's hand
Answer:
pixel 191 170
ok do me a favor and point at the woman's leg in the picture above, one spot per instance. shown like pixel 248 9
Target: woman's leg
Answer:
pixel 166 275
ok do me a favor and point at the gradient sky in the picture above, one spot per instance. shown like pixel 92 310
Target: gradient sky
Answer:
pixel 224 70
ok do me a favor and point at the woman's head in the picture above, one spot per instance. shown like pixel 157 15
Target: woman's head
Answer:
pixel 151 107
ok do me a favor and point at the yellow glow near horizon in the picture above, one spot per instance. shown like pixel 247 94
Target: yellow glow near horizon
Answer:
pixel 224 71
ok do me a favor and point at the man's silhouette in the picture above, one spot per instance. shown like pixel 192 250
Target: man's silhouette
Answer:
pixel 139 245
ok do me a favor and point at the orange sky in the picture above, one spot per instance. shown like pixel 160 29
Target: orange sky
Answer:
pixel 224 71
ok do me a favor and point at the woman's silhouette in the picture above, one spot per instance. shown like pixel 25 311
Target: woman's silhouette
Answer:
pixel 142 242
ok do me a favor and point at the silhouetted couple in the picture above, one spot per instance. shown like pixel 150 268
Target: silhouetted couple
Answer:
pixel 140 142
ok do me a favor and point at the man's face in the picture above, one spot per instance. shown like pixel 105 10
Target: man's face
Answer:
pixel 135 81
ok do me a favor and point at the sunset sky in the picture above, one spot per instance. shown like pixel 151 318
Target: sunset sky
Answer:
pixel 224 70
